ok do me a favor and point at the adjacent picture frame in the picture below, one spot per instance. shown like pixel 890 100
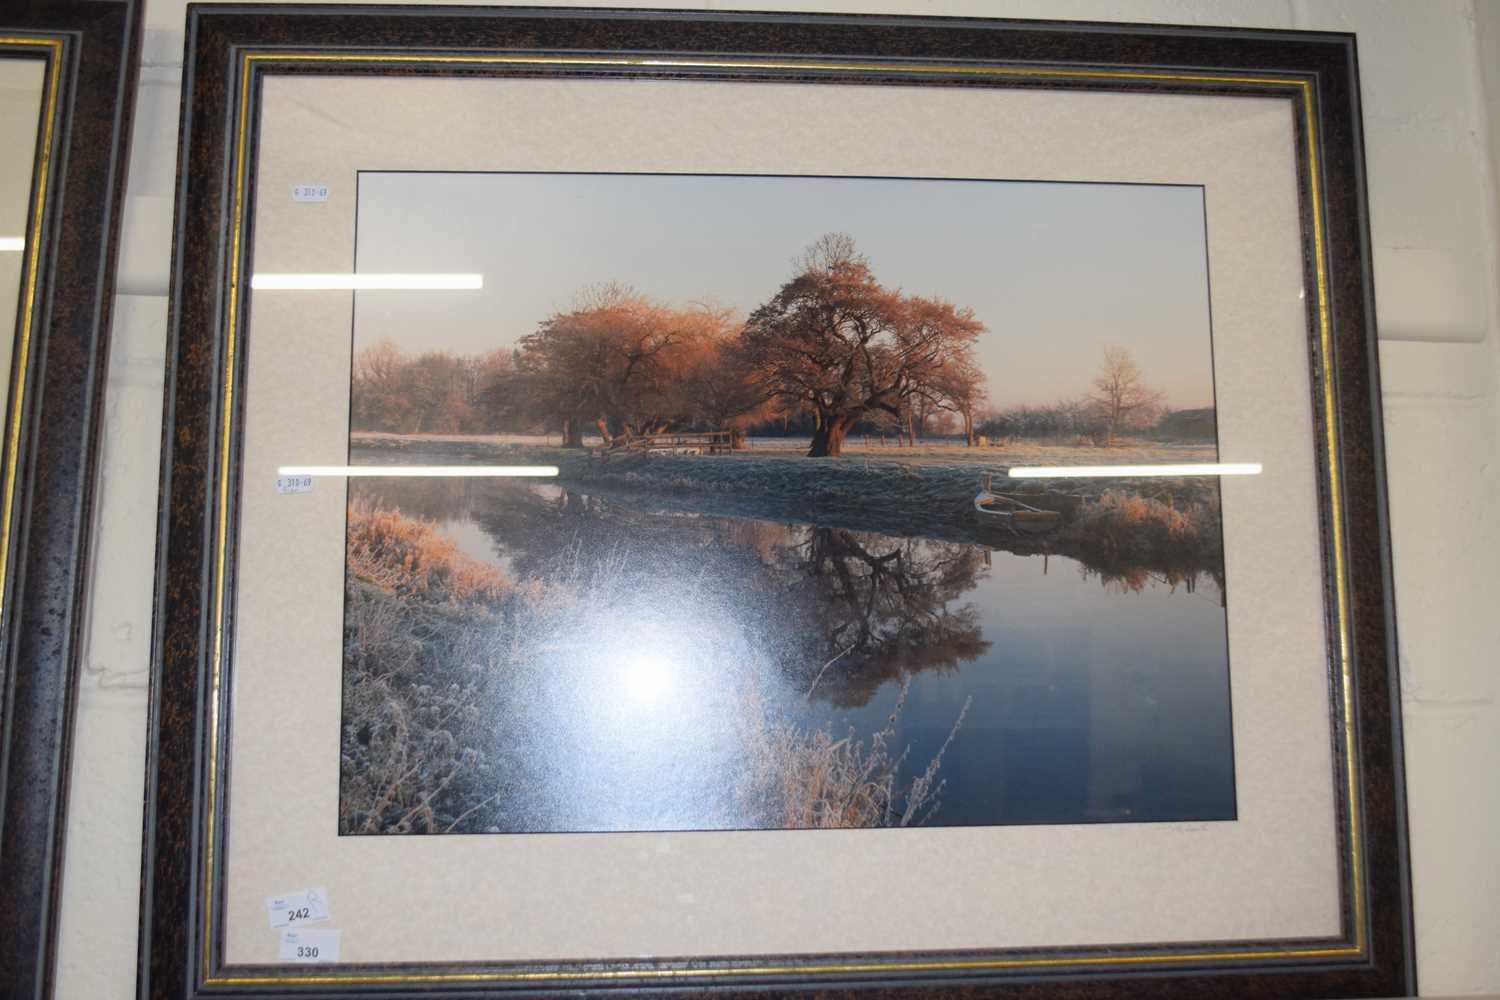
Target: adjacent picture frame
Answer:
pixel 66 243
pixel 243 793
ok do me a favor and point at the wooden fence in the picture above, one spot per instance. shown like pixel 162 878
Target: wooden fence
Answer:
pixel 694 443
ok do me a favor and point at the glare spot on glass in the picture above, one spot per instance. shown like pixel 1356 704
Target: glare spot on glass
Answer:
pixel 368 282
pixel 1133 471
pixel 643 718
pixel 464 471
pixel 14 244
pixel 646 680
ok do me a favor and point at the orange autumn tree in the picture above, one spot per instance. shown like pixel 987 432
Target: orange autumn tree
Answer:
pixel 835 342
pixel 629 366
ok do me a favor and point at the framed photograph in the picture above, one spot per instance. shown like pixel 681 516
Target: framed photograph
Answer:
pixel 736 501
pixel 67 83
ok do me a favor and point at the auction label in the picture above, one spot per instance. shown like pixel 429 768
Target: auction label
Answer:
pixel 310 944
pixel 298 907
pixel 294 484
pixel 309 192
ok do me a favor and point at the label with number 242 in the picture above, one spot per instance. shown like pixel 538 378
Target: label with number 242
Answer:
pixel 297 907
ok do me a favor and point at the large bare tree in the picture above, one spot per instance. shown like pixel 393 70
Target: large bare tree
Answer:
pixel 836 342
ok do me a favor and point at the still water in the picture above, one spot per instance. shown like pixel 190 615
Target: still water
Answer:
pixel 1051 693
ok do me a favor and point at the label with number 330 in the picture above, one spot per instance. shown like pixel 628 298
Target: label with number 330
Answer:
pixel 309 944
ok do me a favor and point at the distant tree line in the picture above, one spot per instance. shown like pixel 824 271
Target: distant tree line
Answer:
pixel 832 350
pixel 1120 403
pixel 430 393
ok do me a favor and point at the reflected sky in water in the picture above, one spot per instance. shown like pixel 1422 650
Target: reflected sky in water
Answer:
pixel 649 691
pixel 1091 704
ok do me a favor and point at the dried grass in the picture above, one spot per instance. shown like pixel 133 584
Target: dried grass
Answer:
pixel 414 736
pixel 1119 526
pixel 409 557
pixel 424 634
pixel 806 779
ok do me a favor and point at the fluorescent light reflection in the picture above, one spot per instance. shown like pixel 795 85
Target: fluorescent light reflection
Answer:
pixel 12 243
pixel 461 471
pixel 1134 471
pixel 367 282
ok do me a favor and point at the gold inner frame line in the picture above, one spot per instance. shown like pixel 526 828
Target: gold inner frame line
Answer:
pixel 1301 90
pixel 31 273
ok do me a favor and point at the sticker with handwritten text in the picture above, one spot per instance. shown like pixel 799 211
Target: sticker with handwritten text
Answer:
pixel 297 907
pixel 309 944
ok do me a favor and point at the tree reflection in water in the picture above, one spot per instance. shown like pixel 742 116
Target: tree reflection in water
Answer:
pixel 1129 579
pixel 884 607
pixel 881 607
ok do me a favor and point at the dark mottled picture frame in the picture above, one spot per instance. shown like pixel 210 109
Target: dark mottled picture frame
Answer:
pixel 232 50
pixel 88 51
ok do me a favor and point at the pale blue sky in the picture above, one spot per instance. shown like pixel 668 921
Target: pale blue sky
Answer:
pixel 1055 271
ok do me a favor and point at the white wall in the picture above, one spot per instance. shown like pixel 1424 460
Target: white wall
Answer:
pixel 1431 91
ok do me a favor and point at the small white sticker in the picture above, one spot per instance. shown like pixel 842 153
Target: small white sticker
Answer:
pixel 294 484
pixel 310 944
pixel 309 192
pixel 297 907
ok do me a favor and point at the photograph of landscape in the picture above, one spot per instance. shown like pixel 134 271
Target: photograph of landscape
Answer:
pixel 784 577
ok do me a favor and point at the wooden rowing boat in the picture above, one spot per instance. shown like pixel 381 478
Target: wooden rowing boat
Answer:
pixel 1011 513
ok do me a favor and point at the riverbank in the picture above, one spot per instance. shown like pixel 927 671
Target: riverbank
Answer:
pixel 1109 523
pixel 948 451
